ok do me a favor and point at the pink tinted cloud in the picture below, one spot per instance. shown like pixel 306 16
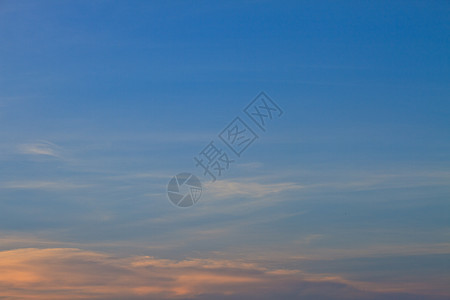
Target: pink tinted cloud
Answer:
pixel 68 273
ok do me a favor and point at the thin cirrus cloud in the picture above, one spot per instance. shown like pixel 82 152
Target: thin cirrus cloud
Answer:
pixel 257 187
pixel 70 273
pixel 248 188
pixel 43 148
pixel 42 185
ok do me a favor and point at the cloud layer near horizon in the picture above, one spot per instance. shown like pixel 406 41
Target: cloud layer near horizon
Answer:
pixel 69 273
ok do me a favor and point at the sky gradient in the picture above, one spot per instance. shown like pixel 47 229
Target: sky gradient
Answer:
pixel 344 196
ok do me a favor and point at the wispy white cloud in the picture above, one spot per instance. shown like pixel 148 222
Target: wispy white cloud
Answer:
pixel 388 180
pixel 42 185
pixel 359 180
pixel 248 188
pixel 382 250
pixel 42 148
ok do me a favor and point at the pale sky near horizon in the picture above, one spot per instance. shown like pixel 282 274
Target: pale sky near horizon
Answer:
pixel 345 196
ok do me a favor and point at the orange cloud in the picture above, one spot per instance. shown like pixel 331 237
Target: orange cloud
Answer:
pixel 68 273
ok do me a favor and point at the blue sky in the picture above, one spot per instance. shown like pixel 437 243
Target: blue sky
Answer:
pixel 345 195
